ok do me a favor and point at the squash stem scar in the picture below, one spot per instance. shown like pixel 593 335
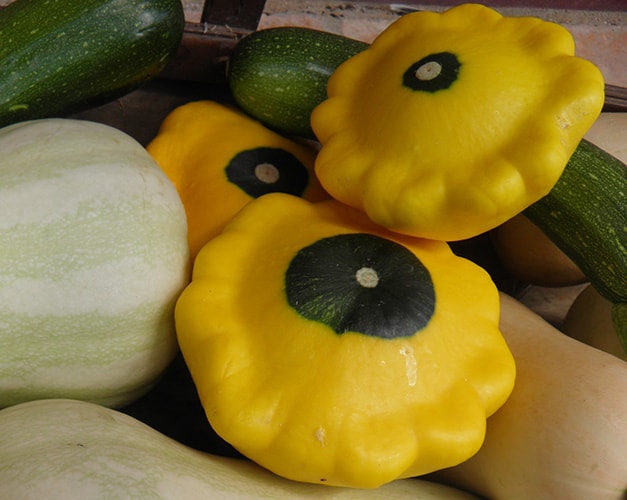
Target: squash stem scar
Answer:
pixel 367 277
pixel 267 173
pixel 429 71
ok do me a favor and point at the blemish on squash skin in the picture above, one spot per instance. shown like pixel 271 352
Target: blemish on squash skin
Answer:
pixel 410 364
pixel 320 436
pixel 19 107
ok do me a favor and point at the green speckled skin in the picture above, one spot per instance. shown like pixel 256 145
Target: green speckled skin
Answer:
pixel 584 215
pixel 278 75
pixel 94 254
pixel 59 57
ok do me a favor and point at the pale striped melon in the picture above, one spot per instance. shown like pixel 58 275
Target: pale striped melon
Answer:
pixel 93 256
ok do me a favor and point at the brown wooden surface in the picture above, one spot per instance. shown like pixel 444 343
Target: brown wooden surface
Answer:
pixel 208 40
pixel 598 5
pixel 243 14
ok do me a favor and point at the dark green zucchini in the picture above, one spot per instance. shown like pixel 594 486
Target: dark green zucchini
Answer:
pixel 58 57
pixel 585 214
pixel 278 75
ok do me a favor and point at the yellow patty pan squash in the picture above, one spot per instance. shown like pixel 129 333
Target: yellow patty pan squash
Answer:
pixel 450 123
pixel 330 350
pixel 219 159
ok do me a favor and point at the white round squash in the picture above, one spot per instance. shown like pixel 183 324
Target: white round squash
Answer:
pixel 94 255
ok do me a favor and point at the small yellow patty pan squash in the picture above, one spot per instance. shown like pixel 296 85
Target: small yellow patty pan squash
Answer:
pixel 451 123
pixel 219 159
pixel 330 350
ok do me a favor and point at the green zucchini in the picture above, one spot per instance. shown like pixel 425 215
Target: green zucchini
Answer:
pixel 278 75
pixel 584 215
pixel 59 57
pixel 619 319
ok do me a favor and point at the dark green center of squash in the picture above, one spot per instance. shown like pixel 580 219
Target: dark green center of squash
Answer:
pixel 361 283
pixel 266 170
pixel 433 72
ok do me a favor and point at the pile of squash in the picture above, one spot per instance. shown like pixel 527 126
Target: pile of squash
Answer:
pixel 238 310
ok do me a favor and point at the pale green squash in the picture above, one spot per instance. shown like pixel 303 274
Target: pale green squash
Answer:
pixel 78 450
pixel 94 254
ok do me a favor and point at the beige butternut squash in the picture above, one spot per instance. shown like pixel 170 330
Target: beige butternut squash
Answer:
pixel 562 434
